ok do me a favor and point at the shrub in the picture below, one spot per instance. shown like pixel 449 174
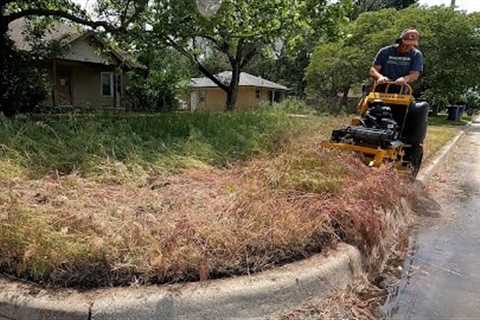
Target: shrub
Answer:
pixel 23 82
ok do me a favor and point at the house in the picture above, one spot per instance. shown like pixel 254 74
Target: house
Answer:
pixel 205 95
pixel 87 72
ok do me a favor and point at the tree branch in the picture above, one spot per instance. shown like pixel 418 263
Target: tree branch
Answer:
pixel 195 60
pixel 62 14
pixel 212 77
pixel 249 56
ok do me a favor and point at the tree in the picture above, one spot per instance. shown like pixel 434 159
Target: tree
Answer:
pixel 451 45
pixel 240 30
pixel 334 68
pixel 323 21
pixel 120 13
pixel 166 78
pixel 450 42
pixel 360 6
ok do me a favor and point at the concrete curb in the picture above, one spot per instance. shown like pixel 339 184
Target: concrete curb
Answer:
pixel 245 297
pixel 426 173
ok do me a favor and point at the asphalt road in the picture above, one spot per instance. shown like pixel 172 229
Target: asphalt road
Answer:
pixel 442 274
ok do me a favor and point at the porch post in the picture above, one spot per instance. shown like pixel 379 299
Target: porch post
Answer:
pixel 115 88
pixel 54 79
pixel 122 89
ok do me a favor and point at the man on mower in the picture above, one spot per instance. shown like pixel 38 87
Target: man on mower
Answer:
pixel 401 63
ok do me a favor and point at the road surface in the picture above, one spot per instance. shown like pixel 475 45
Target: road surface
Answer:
pixel 442 273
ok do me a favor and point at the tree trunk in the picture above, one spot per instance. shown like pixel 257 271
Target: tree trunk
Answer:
pixel 3 57
pixel 3 33
pixel 232 92
pixel 345 96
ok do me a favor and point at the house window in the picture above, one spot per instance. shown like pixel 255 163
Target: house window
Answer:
pixel 107 84
pixel 203 96
pixel 257 93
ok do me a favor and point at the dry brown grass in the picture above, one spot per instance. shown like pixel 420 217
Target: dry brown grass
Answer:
pixel 360 301
pixel 204 223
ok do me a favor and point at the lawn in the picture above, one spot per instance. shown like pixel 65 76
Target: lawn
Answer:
pixel 440 132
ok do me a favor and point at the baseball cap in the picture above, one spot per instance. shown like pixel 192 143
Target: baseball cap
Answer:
pixel 410 36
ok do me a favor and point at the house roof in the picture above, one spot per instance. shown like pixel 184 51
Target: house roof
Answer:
pixel 246 80
pixel 66 33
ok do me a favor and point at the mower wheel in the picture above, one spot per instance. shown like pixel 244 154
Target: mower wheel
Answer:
pixel 415 157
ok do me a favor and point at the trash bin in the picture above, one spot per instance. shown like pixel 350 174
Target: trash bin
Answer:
pixel 453 113
pixel 461 111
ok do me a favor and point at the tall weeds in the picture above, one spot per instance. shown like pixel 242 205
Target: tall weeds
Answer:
pixel 210 219
pixel 88 143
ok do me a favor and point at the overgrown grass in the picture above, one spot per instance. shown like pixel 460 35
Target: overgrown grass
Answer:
pixel 288 198
pixel 97 144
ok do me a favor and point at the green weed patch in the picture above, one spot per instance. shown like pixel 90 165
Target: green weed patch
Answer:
pixel 80 143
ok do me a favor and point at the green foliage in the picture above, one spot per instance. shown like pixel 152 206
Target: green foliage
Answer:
pixel 450 43
pixel 472 101
pixel 333 67
pixel 22 82
pixel 322 21
pixel 360 6
pixel 157 90
pixel 240 30
pixel 293 106
pixel 442 121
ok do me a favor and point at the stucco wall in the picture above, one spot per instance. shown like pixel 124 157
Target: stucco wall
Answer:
pixel 214 99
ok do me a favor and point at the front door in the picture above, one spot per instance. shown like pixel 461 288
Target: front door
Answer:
pixel 64 88
pixel 194 100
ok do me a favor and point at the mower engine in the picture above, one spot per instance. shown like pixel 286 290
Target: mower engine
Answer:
pixel 377 128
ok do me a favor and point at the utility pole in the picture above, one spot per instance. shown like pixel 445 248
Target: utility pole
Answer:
pixel 453 4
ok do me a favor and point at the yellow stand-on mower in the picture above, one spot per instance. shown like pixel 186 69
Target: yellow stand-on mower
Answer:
pixel 391 128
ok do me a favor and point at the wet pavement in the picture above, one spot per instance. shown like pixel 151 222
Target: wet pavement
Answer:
pixel 442 272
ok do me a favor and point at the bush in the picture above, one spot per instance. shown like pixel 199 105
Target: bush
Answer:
pixel 23 82
pixel 292 105
pixel 157 89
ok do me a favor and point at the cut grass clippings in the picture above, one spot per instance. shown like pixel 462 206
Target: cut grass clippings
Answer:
pixel 62 226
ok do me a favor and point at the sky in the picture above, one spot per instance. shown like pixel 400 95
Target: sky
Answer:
pixel 468 5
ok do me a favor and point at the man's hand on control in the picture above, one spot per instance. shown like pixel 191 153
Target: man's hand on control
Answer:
pixel 383 80
pixel 401 81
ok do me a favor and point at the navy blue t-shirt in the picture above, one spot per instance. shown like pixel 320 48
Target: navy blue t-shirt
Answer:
pixel 395 64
